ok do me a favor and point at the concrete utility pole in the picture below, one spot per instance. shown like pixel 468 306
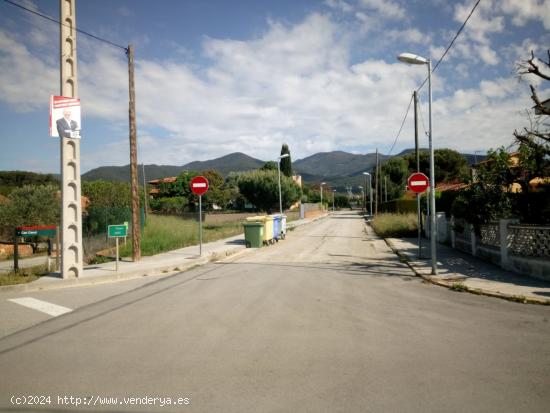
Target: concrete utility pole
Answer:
pixel 136 253
pixel 376 185
pixel 145 192
pixel 71 208
pixel 419 211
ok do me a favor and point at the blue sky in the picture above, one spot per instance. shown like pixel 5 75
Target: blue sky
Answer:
pixel 215 77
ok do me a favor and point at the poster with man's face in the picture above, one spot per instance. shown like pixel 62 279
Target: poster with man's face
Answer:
pixel 65 117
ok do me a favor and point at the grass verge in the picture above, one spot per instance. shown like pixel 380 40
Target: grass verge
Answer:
pixel 25 275
pixel 395 225
pixel 167 233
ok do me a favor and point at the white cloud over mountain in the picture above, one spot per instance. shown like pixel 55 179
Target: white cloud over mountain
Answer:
pixel 293 83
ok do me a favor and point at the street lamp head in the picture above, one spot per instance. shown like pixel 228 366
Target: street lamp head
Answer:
pixel 286 155
pixel 366 173
pixel 412 59
pixel 323 183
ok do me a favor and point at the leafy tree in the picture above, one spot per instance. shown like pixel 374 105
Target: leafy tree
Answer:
pixel 534 146
pixel 107 194
pixel 110 203
pixel 486 198
pixel 450 165
pixel 286 163
pixel 10 180
pixel 341 201
pixel 397 171
pixel 261 189
pixel 29 205
pixel 269 166
pixel 217 193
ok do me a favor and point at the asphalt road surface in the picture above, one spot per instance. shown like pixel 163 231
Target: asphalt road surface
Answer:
pixel 328 320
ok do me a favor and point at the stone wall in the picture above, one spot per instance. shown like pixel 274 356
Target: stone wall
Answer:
pixel 6 250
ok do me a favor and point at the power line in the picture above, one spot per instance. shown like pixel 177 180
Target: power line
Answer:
pixel 402 124
pixel 452 43
pixel 66 25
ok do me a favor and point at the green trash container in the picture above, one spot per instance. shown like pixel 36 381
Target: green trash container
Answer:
pixel 253 234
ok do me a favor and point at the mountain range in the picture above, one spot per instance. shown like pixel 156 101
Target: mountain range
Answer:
pixel 337 168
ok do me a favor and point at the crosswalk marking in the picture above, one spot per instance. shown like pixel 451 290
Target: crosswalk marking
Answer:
pixel 48 308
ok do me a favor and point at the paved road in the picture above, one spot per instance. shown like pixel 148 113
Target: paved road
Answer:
pixel 326 321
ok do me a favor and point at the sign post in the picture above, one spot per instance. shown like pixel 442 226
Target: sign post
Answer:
pixel 418 183
pixel 116 232
pixel 199 186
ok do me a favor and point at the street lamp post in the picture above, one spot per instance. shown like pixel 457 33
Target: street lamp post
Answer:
pixel 321 186
pixel 370 191
pixel 333 195
pixel 362 192
pixel 418 60
pixel 286 155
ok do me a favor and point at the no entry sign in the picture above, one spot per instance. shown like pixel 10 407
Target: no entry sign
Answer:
pixel 418 182
pixel 199 185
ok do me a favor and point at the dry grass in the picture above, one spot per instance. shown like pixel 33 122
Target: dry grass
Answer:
pixel 395 225
pixel 25 275
pixel 167 233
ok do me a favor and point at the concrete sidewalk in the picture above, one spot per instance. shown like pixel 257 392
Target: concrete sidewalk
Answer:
pixel 161 264
pixel 462 271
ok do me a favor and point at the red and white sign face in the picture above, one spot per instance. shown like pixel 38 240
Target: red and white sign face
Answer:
pixel 418 182
pixel 199 185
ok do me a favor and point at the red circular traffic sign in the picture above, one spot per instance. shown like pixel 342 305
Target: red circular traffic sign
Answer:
pixel 418 182
pixel 199 185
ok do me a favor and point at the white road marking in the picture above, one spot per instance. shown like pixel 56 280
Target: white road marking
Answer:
pixel 48 308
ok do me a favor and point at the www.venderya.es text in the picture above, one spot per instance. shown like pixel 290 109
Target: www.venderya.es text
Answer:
pixel 76 401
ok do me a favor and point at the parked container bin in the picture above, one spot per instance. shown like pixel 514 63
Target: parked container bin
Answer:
pixel 267 222
pixel 253 234
pixel 283 226
pixel 276 227
pixel 268 230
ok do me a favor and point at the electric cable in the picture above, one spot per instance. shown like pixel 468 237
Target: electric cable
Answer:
pixel 452 43
pixel 66 25
pixel 402 124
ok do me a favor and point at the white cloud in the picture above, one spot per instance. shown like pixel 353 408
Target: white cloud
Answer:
pixel 29 82
pixel 409 35
pixel 525 10
pixel 386 8
pixel 340 5
pixel 475 37
pixel 293 84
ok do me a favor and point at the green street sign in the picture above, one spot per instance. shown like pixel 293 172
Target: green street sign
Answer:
pixel 36 230
pixel 117 231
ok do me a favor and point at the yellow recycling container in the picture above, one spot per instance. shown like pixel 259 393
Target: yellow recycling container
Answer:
pixel 268 230
pixel 268 227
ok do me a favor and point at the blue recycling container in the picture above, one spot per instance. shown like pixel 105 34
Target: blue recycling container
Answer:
pixel 276 226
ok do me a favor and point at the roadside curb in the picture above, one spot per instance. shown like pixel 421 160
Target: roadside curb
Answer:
pixel 463 287
pixel 162 270
pixel 158 271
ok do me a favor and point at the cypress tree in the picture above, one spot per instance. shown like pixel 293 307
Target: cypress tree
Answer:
pixel 286 163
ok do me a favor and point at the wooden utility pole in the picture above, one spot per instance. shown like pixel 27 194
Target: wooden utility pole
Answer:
pixel 136 255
